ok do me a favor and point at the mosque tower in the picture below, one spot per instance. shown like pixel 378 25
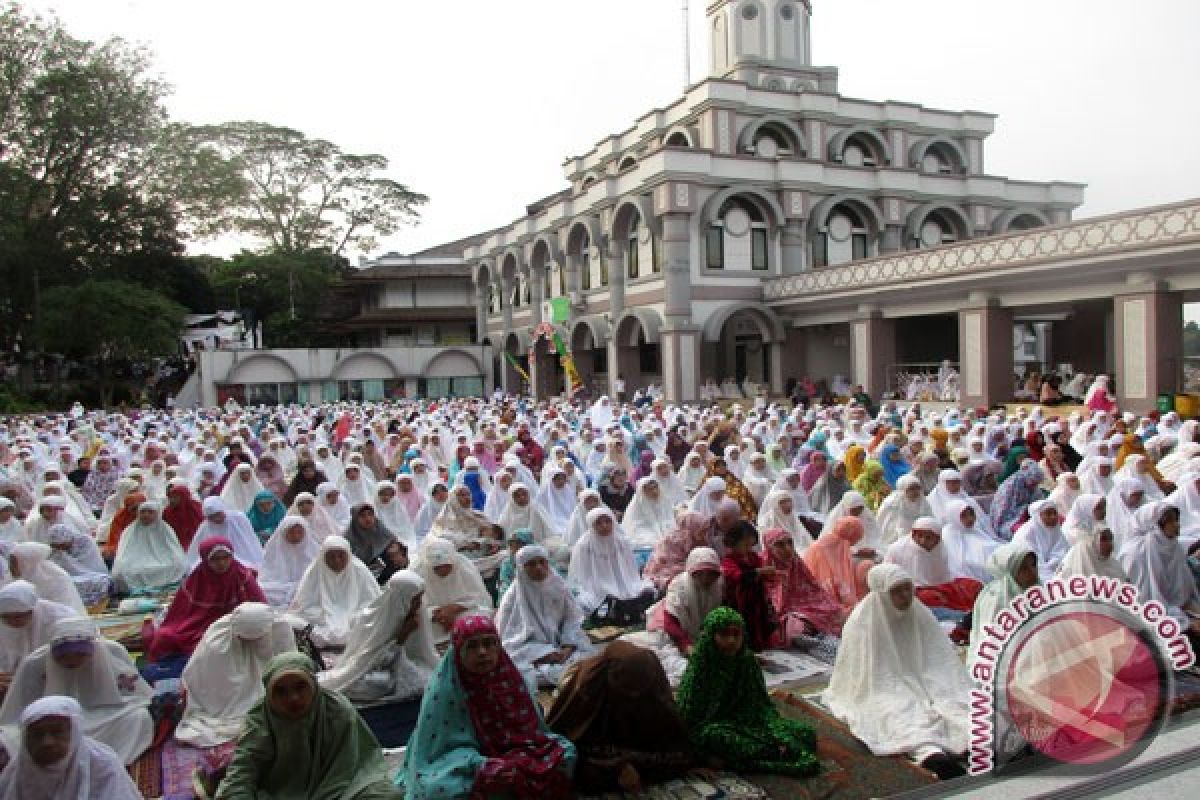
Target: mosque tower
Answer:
pixel 766 43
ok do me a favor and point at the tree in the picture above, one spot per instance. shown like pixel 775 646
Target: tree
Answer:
pixel 302 195
pixel 282 290
pixel 106 322
pixel 91 169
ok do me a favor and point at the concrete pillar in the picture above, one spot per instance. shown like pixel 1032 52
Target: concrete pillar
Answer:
pixel 680 342
pixel 481 312
pixel 873 350
pixel 1149 345
pixel 506 311
pixel 985 350
pixel 892 240
pixel 794 247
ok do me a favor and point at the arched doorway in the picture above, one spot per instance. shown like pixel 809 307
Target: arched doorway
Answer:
pixel 517 347
pixel 741 350
pixel 639 356
pixel 589 346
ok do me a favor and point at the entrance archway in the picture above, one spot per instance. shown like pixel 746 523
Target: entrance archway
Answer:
pixel 639 357
pixel 589 345
pixel 741 351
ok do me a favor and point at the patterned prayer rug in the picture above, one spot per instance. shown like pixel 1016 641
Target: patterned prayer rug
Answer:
pixel 179 761
pixel 147 773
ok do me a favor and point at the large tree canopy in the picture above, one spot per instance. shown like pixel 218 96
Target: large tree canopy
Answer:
pixel 301 195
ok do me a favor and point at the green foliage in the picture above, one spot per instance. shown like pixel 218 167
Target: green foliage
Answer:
pixel 301 195
pixel 110 320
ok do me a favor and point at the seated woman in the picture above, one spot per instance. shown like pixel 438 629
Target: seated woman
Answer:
pixel 30 561
pixel 898 683
pixel 901 509
pixel 330 500
pixel 183 512
pixel 149 559
pixel 1157 565
pixel 673 624
pixel 26 622
pixel 508 567
pixel 619 711
pixel 1093 553
pixel 286 558
pixel 832 564
pixel 746 578
pixel 539 621
pixel 809 617
pixel 1043 536
pixel 233 528
pixel 671 553
pixel 223 678
pixel 480 732
pixel 1014 569
pixel 335 587
pixel 923 558
pixel 968 544
pixel 649 517
pixel 54 758
pixel 779 513
pixel 304 741
pixel 870 547
pixel 453 586
pixel 216 587
pixel 264 514
pixel 730 718
pixel 367 535
pixel 604 573
pixel 389 655
pixel 79 557
pixel 96 672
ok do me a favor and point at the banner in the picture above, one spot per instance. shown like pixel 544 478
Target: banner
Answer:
pixel 517 366
pixel 568 363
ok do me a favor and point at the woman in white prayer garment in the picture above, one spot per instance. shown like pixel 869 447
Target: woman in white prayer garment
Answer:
pixel 603 565
pixel 390 655
pixel 649 515
pixel 334 588
pixel 241 488
pixel 499 497
pixel 330 500
pixel 1120 508
pixel 539 622
pixel 320 524
pixel 286 558
pixel 453 586
pixel 392 513
pixel 1085 516
pixel 355 486
pixel 901 509
pixel 1187 499
pixel 1093 554
pixel 898 683
pixel 589 499
pixel 222 521
pixel 30 561
pixel 1157 564
pixel 778 511
pixel 968 546
pixel 55 758
pixel 691 474
pixel 854 504
pixel 1043 535
pixel 26 622
pixel 949 489
pixel 149 558
pixel 557 499
pixel 223 678
pixel 708 497
pixel 99 673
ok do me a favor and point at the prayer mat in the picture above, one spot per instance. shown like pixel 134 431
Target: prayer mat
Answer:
pixel 608 633
pixel 727 786
pixel 147 773
pixel 848 769
pixel 179 761
pixel 787 667
pixel 392 723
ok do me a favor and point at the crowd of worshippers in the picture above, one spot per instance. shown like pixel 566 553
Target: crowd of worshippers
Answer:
pixel 312 561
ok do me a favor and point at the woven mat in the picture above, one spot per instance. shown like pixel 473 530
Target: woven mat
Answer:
pixel 147 773
pixel 179 761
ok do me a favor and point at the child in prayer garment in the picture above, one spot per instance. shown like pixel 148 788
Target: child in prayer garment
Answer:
pixel 302 741
pixel 730 718
pixel 746 579
pixel 898 683
pixel 480 731
pixel 673 624
pixel 618 709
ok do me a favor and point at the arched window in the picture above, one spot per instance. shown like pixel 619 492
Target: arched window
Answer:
pixel 939 228
pixel 628 162
pixel 862 150
pixel 844 237
pixel 738 239
pixel 678 139
pixel 1024 222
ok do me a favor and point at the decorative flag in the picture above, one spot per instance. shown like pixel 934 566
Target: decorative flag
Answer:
pixel 568 363
pixel 517 366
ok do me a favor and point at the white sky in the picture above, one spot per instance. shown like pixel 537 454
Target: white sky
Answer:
pixel 477 103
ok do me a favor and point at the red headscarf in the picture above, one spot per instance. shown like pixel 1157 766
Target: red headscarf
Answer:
pixel 795 590
pixel 521 759
pixel 122 520
pixel 184 518
pixel 204 598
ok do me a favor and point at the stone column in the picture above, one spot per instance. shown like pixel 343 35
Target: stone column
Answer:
pixel 873 350
pixel 481 312
pixel 985 349
pixel 1149 344
pixel 680 338
pixel 614 255
pixel 794 247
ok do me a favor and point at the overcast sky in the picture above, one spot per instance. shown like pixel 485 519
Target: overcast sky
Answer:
pixel 477 102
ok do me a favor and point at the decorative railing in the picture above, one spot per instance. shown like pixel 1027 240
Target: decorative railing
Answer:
pixel 1162 225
